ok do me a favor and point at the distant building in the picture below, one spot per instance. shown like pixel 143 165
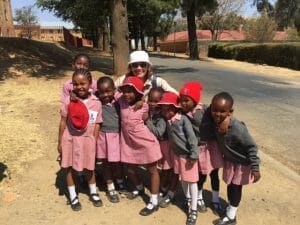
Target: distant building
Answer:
pixel 6 20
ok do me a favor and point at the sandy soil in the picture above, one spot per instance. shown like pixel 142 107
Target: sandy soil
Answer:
pixel 31 182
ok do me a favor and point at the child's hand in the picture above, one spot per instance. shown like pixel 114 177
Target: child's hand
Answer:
pixel 256 175
pixel 73 96
pixel 145 116
pixel 59 149
pixel 222 127
pixel 138 105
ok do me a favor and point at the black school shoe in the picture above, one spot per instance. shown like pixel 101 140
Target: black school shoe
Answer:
pixel 146 211
pixel 75 206
pixel 96 203
pixel 132 195
pixel 112 196
pixel 192 217
pixel 225 220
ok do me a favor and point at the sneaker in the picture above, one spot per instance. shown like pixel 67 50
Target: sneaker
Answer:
pixel 97 202
pixel 165 201
pixel 192 217
pixel 75 206
pixel 132 195
pixel 201 206
pixel 225 220
pixel 149 209
pixel 112 196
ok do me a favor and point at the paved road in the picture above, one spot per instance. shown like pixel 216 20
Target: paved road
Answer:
pixel 269 106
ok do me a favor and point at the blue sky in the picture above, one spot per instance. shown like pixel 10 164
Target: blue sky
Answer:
pixel 47 18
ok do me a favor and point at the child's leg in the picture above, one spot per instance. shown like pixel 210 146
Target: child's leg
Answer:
pixel 111 191
pixel 119 175
pixel 200 201
pixel 192 214
pixel 234 193
pixel 165 179
pixel 139 187
pixel 94 197
pixel 215 185
pixel 75 204
pixel 174 179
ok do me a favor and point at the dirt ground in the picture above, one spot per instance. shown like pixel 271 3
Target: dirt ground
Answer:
pixel 31 182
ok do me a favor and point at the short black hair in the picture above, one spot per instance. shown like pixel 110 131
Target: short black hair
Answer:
pixel 106 79
pixel 158 89
pixel 81 55
pixel 83 72
pixel 224 95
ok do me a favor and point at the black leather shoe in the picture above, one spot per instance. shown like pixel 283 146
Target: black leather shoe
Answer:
pixel 225 220
pixel 192 217
pixel 96 203
pixel 132 195
pixel 147 211
pixel 75 206
pixel 201 206
pixel 112 196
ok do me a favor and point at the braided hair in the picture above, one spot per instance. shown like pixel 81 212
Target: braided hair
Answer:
pixel 83 72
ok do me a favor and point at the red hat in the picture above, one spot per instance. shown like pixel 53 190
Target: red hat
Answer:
pixel 193 90
pixel 169 98
pixel 135 82
pixel 78 114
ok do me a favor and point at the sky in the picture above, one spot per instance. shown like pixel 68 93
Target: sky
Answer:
pixel 46 18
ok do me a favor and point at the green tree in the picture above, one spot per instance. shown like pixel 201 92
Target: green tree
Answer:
pixel 261 29
pixel 285 12
pixel 263 6
pixel 26 16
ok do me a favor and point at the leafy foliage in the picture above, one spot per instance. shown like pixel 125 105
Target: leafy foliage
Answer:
pixel 25 15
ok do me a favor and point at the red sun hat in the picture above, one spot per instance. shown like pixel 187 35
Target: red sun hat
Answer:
pixel 192 89
pixel 78 114
pixel 135 82
pixel 169 98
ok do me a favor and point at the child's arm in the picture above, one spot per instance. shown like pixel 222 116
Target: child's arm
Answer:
pixel 138 105
pixel 62 127
pixel 96 131
pixel 157 129
pixel 192 141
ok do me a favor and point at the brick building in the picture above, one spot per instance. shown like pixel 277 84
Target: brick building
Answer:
pixel 6 20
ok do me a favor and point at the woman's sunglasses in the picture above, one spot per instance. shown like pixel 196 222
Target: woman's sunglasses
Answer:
pixel 141 64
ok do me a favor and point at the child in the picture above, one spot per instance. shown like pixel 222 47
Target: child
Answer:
pixel 108 143
pixel 81 61
pixel 139 146
pixel 210 157
pixel 157 125
pixel 78 130
pixel 184 144
pixel 241 162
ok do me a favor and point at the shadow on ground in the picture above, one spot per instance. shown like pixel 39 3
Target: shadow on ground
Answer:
pixel 3 171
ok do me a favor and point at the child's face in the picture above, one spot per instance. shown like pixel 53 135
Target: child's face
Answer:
pixel 139 69
pixel 168 111
pixel 220 109
pixel 82 63
pixel 187 104
pixel 81 86
pixel 129 94
pixel 106 92
pixel 153 99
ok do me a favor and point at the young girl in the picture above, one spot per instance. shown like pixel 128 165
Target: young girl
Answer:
pixel 81 61
pixel 210 157
pixel 241 162
pixel 139 146
pixel 78 130
pixel 184 144
pixel 108 143
pixel 157 125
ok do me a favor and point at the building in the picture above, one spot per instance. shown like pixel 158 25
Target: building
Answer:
pixel 6 19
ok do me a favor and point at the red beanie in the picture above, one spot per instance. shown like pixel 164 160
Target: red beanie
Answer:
pixel 135 82
pixel 169 98
pixel 193 90
pixel 78 114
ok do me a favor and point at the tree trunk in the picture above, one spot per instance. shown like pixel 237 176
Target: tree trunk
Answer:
pixel 143 46
pixel 105 37
pixel 154 42
pixel 193 44
pixel 120 36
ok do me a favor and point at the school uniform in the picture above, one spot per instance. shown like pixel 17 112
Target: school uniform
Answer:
pixel 68 87
pixel 240 154
pixel 138 143
pixel 210 157
pixel 79 147
pixel 184 144
pixel 108 143
pixel 158 126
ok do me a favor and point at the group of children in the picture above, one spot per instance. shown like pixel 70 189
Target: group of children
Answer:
pixel 140 120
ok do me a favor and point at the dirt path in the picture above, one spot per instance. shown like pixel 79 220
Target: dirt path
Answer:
pixel 29 110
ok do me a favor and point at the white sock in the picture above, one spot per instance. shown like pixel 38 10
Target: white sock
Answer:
pixel 185 188
pixel 171 194
pixel 72 193
pixel 110 186
pixel 231 211
pixel 200 194
pixel 140 187
pixel 154 199
pixel 215 196
pixel 194 194
pixel 93 190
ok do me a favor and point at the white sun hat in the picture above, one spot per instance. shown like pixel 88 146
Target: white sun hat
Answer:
pixel 139 56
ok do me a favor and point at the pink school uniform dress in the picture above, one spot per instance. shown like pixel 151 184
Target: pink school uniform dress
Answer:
pixel 68 87
pixel 210 156
pixel 108 143
pixel 138 143
pixel 79 147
